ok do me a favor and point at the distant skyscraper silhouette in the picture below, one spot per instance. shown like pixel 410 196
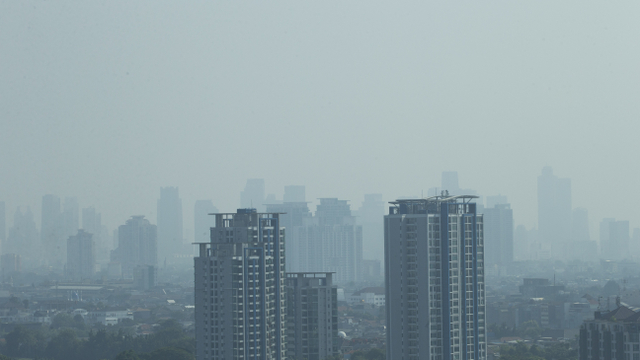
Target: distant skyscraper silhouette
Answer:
pixel 554 213
pixel 614 239
pixel 23 239
pixel 583 248
pixel 203 222
pixel 137 245
pixel 171 244
pixel 3 224
pixel 371 217
pixel 92 223
pixel 293 218
pixel 253 195
pixel 335 241
pixel 450 183
pixel 294 193
pixel 70 217
pixel 498 235
pixel 81 257
pixel 52 232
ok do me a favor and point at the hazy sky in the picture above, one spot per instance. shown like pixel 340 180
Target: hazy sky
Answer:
pixel 110 100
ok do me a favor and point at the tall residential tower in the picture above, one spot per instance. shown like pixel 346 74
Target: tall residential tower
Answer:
pixel 434 268
pixel 240 289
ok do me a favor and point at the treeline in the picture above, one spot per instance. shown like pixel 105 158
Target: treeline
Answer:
pixel 524 352
pixel 169 343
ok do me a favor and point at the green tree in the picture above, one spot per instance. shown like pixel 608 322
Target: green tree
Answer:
pixel 171 353
pixel 64 346
pixel 127 355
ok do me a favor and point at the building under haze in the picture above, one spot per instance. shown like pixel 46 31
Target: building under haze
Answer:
pixel 614 239
pixel 294 218
pixel 334 241
pixel 171 244
pixel 10 263
pixel 450 183
pixel 3 224
pixel 370 216
pixel 554 213
pixel 434 269
pixel 23 239
pixel 294 193
pixel 312 316
pixel 81 257
pixel 498 235
pixel 70 217
pixel 202 221
pixel 253 195
pixel 52 232
pixel 583 247
pixel 240 289
pixel 137 245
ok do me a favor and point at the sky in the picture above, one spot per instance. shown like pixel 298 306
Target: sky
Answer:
pixel 110 100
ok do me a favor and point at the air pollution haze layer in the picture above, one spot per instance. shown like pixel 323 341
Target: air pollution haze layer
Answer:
pixel 109 101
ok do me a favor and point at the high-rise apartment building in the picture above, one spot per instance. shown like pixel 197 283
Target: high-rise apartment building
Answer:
pixel 137 245
pixel 170 234
pixel 554 213
pixel 295 216
pixel 240 289
pixel 335 241
pixel 81 257
pixel 202 221
pixel 583 247
pixel 434 269
pixel 3 224
pixel 498 235
pixel 614 239
pixel 370 216
pixel 10 263
pixel 23 239
pixel 294 193
pixel 312 316
pixel 52 231
pixel 70 217
pixel 253 195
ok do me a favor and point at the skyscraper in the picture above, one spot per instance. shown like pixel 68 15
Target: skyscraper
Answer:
pixel 294 217
pixel 81 257
pixel 554 213
pixel 370 216
pixel 202 220
pixel 583 248
pixel 239 288
pixel 434 269
pixel 23 239
pixel 253 195
pixel 137 245
pixel 498 235
pixel 334 241
pixel 170 236
pixel 3 224
pixel 92 223
pixel 294 193
pixel 70 217
pixel 614 239
pixel 312 316
pixel 52 231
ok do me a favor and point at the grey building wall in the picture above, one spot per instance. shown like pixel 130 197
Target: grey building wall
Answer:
pixel 137 245
pixel 312 316
pixel 81 258
pixel 240 290
pixel 170 226
pixel 498 235
pixel 434 269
